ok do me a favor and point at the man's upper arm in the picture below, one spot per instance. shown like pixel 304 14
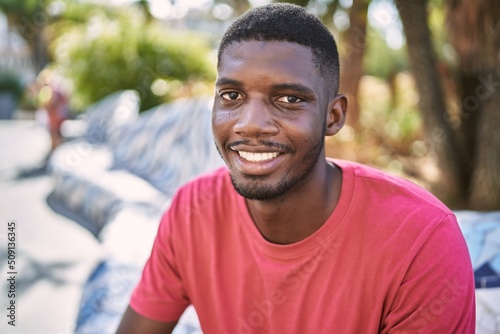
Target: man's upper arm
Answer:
pixel 160 293
pixel 134 323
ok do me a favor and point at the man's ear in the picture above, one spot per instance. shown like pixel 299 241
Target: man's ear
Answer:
pixel 336 114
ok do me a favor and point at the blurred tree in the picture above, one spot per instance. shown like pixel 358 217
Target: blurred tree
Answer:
pixel 468 158
pixel 145 8
pixel 354 40
pixel 384 62
pixel 74 14
pixel 108 54
pixel 439 132
pixel 29 18
pixel 474 29
pixel 40 22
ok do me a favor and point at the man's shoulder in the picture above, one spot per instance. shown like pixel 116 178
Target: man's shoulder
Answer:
pixel 389 187
pixel 393 208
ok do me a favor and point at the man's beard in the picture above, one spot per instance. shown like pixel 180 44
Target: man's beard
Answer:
pixel 256 189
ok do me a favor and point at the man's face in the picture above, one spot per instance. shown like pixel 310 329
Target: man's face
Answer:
pixel 269 116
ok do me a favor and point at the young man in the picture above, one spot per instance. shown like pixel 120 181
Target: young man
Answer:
pixel 284 240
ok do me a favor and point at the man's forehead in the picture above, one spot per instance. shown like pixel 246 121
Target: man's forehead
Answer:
pixel 269 49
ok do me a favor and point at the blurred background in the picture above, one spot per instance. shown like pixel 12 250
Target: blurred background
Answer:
pixel 422 79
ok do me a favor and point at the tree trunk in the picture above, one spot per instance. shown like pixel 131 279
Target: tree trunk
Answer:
pixel 485 183
pixel 31 28
pixel 352 60
pixel 474 29
pixel 302 3
pixel 439 133
pixel 470 111
pixel 40 51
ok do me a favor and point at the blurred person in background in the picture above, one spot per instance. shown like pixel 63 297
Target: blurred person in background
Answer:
pixel 52 97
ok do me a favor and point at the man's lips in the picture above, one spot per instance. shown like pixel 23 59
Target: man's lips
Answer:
pixel 262 146
pixel 262 151
pixel 257 156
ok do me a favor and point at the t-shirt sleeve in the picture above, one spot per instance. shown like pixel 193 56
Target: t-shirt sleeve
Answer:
pixel 160 294
pixel 437 293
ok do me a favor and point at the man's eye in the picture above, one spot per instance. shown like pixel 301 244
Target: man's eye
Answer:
pixel 231 96
pixel 289 99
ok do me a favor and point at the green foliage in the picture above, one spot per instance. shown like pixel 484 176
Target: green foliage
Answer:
pixel 78 13
pixel 380 60
pixel 110 54
pixel 391 113
pixel 17 7
pixel 437 25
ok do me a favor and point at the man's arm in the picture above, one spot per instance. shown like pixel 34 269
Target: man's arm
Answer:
pixel 134 323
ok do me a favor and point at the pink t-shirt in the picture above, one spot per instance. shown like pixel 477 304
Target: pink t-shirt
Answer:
pixel 390 259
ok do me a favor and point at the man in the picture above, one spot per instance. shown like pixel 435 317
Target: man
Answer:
pixel 285 240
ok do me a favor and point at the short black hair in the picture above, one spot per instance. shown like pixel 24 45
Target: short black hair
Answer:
pixel 289 23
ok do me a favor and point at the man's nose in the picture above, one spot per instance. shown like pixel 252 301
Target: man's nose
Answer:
pixel 256 120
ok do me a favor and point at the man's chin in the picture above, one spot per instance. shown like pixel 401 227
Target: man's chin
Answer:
pixel 255 189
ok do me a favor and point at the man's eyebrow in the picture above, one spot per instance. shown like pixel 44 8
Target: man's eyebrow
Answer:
pixel 284 86
pixel 229 82
pixel 296 87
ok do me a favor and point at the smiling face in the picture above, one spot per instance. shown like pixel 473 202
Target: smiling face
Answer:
pixel 269 116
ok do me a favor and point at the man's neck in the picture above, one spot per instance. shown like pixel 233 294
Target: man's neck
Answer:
pixel 303 210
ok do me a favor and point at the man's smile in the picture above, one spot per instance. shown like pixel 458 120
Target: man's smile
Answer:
pixel 256 157
pixel 256 160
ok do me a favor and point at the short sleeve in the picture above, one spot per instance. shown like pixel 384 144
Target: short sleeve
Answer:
pixel 160 294
pixel 437 293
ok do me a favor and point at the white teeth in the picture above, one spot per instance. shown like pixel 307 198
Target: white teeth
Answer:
pixel 256 157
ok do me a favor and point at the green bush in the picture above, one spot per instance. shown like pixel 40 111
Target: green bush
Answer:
pixel 107 55
pixel 9 82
